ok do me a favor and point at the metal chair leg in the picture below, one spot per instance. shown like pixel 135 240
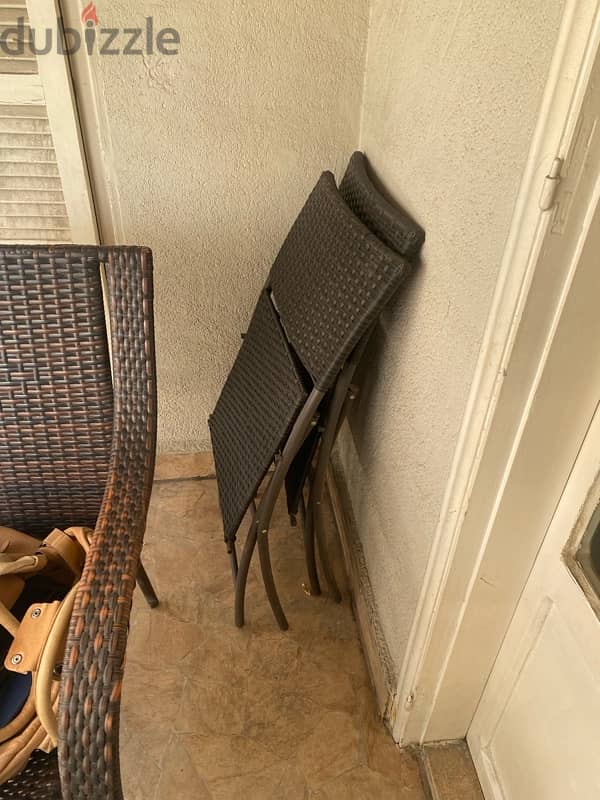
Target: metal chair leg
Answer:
pixel 316 529
pixel 242 574
pixel 262 518
pixel 145 585
pixel 269 581
pixel 309 550
pixel 233 560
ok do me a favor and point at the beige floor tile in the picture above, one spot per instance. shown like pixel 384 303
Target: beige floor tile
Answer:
pixel 363 783
pixel 451 773
pixel 180 778
pixel 331 749
pixel 211 712
pixel 170 466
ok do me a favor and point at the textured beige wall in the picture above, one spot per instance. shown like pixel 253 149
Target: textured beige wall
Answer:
pixel 213 153
pixel 451 96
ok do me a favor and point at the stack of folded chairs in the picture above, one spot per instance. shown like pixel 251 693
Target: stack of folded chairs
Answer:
pixel 343 261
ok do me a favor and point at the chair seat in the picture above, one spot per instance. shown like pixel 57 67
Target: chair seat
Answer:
pixel 261 399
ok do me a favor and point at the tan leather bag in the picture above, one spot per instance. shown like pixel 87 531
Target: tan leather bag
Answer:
pixel 37 640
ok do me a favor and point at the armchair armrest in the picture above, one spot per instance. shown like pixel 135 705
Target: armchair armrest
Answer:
pixel 94 659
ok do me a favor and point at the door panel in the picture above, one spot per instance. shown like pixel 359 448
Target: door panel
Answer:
pixel 536 732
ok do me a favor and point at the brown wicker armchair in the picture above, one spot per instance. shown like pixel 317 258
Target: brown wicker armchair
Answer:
pixel 77 446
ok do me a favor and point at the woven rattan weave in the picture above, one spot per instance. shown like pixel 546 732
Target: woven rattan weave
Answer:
pixel 330 281
pixel 76 450
pixel 396 229
pixel 259 402
pixel 386 220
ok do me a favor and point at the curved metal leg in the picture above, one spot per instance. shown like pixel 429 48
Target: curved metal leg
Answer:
pixel 145 585
pixel 309 550
pixel 337 407
pixel 262 518
pixel 233 560
pixel 242 575
pixel 269 581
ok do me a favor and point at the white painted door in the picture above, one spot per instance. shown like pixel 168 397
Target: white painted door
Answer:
pixel 536 732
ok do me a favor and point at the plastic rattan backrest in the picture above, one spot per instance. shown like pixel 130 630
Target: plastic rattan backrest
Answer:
pixel 330 282
pixel 56 399
pixel 388 221
pixel 260 400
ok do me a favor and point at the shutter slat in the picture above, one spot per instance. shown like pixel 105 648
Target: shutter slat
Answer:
pixel 19 208
pixel 30 125
pixel 31 183
pixel 23 170
pixel 8 195
pixel 27 155
pixel 23 112
pixel 32 207
pixel 11 13
pixel 36 140
pixel 18 66
pixel 34 223
pixel 27 235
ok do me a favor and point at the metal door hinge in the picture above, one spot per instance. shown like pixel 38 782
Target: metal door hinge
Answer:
pixel 551 183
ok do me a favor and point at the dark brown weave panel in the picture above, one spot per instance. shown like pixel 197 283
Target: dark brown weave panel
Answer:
pixel 330 282
pixel 396 229
pixel 390 223
pixel 56 402
pixel 261 398
pixel 38 781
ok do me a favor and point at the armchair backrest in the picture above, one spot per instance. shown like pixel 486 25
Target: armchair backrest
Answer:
pixel 56 394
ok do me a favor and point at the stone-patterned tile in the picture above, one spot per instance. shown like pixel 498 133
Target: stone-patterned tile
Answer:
pixel 140 772
pixel 279 719
pixel 179 777
pixel 331 750
pixel 189 509
pixel 275 783
pixel 171 466
pixel 385 757
pixel 161 641
pixel 150 705
pixel 364 784
pixel 452 773
pixel 218 758
pixel 212 708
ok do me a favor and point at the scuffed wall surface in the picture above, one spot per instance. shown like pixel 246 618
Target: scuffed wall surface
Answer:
pixel 451 97
pixel 214 152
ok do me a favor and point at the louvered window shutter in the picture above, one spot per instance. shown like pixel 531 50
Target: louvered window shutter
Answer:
pixel 45 195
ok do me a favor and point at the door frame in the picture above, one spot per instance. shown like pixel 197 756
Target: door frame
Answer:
pixel 440 682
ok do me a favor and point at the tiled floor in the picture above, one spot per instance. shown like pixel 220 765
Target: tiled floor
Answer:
pixel 213 712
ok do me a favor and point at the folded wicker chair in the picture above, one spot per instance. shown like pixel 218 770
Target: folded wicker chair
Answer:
pixel 330 281
pixel 77 447
pixel 393 226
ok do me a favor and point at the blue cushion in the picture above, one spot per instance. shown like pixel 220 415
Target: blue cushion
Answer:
pixel 13 696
